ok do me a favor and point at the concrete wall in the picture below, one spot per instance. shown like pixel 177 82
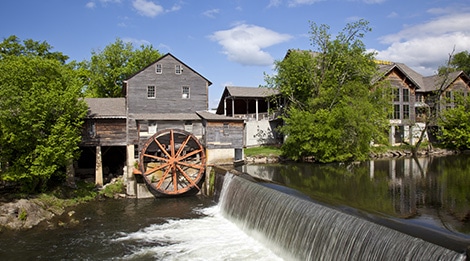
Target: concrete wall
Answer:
pixel 260 132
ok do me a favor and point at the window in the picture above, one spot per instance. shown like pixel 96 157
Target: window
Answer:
pixel 396 95
pixel 151 92
pixel 91 129
pixel 178 69
pixel 226 129
pixel 406 95
pixel 158 68
pixel 185 92
pixel 188 126
pixel 396 111
pixel 406 111
pixel 152 127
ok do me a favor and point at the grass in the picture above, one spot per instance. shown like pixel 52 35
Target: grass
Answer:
pixel 263 151
pixel 111 189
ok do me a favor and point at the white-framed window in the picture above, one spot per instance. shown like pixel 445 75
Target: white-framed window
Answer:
pixel 152 127
pixel 188 126
pixel 185 92
pixel 158 68
pixel 151 94
pixel 226 129
pixel 178 69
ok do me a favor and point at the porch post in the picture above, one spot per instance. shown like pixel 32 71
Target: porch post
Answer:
pixel 225 106
pixel 257 118
pixel 233 107
pixel 98 167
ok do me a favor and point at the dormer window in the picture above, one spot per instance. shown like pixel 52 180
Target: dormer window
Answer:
pixel 178 69
pixel 158 68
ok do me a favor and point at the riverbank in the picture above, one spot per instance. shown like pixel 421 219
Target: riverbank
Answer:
pixel 26 213
pixel 389 154
pixel 21 214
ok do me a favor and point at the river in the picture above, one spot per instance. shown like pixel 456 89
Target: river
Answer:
pixel 431 193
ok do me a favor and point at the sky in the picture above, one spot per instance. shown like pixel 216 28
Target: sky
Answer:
pixel 235 42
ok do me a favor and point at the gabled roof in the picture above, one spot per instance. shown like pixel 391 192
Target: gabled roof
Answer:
pixel 163 57
pixel 106 108
pixel 433 83
pixel 423 83
pixel 413 76
pixel 250 92
pixel 244 92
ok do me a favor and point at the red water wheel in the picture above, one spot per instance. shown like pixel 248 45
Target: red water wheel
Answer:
pixel 173 162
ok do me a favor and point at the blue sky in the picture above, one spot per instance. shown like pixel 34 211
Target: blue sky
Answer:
pixel 235 42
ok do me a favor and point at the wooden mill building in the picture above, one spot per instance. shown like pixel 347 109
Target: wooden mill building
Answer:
pixel 167 94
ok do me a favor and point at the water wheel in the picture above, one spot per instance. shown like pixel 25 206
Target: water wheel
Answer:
pixel 172 162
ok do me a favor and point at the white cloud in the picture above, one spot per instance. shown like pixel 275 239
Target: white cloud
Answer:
pixel 147 8
pixel 174 8
pixel 294 3
pixel 90 5
pixel 211 13
pixel 136 42
pixel 373 1
pixel 274 3
pixel 426 46
pixel 244 43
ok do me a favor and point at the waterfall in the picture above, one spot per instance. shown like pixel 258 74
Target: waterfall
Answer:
pixel 300 229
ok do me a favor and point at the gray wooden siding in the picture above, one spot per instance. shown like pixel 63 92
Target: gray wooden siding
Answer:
pixel 105 132
pixel 168 87
pixel 221 135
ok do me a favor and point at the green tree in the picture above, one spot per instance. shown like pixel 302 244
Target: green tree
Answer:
pixel 455 124
pixel 41 117
pixel 107 70
pixel 12 46
pixel 334 111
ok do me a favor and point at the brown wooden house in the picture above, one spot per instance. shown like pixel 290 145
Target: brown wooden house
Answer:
pixel 167 94
pixel 412 93
pixel 104 140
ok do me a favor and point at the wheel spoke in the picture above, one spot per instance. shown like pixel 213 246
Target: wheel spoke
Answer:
pixel 152 170
pixel 187 177
pixel 160 182
pixel 182 146
pixel 162 148
pixel 155 157
pixel 189 154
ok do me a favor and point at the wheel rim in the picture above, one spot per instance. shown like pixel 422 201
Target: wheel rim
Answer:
pixel 172 162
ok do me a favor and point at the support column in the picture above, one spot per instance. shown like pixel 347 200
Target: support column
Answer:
pixel 225 106
pixel 233 107
pixel 98 167
pixel 391 137
pixel 130 179
pixel 257 117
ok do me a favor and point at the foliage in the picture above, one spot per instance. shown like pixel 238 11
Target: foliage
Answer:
pixel 112 188
pixel 459 62
pixel 334 111
pixel 22 215
pixel 455 124
pixel 40 119
pixel 263 151
pixel 12 46
pixel 108 69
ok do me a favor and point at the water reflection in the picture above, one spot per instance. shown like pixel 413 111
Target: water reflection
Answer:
pixel 430 191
